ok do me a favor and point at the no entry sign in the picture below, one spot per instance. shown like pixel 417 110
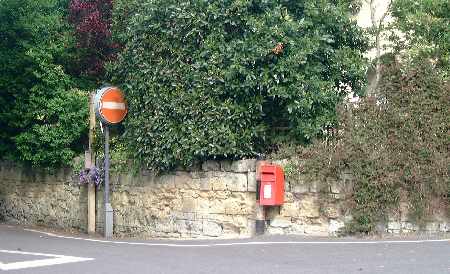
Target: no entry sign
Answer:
pixel 111 108
pixel 110 105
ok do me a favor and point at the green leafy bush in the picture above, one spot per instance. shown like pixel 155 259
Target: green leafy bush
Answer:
pixel 43 115
pixel 228 79
pixel 395 144
pixel 424 29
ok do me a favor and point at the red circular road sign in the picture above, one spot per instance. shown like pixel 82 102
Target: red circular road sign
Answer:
pixel 110 105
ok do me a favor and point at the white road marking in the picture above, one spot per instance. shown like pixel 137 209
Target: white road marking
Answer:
pixel 55 259
pixel 240 243
pixel 112 105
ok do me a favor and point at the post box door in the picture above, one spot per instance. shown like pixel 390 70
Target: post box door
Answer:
pixel 271 190
pixel 267 177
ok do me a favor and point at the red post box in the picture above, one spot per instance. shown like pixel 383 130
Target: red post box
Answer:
pixel 271 190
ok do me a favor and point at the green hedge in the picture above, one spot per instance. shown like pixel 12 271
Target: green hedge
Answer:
pixel 229 79
pixel 43 113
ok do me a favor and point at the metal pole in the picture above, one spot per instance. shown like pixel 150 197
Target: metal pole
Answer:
pixel 108 207
pixel 260 218
pixel 91 164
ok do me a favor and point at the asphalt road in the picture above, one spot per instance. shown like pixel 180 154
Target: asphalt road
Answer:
pixel 25 251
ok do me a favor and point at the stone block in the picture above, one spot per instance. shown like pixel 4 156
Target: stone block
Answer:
pixel 218 183
pixel 432 227
pixel 380 228
pixel 166 226
pixel 346 175
pixel 190 216
pixel 297 229
pixel 314 187
pixel 247 201
pixel 404 211
pixel 240 220
pixel 225 165
pixel 335 188
pixel 126 179
pixel 217 207
pixel 275 230
pixel 231 229
pixel 409 227
pixel 299 188
pixel 211 165
pixel 187 193
pixel 204 194
pixel 334 227
pixel 166 181
pixel 189 205
pixel 202 205
pixel 176 205
pixel 282 162
pixel 334 196
pixel 211 229
pixel 247 165
pixel 189 227
pixel 195 167
pixel 290 210
pixel 331 211
pixel 394 226
pixel 221 195
pixel 289 197
pixel 120 199
pixel 282 222
pixel 238 196
pixel 196 174
pixel 232 207
pixel 444 227
pixel 251 182
pixel 184 180
pixel 204 183
pixel 309 207
pixel 236 182
pixel 316 230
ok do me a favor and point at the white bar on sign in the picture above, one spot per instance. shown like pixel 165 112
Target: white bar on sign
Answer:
pixel 113 105
pixel 267 192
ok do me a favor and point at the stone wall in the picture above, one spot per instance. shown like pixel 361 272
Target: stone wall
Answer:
pixel 217 199
pixel 309 210
pixel 35 197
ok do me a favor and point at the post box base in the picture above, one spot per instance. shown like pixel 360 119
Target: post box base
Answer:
pixel 260 226
pixel 108 220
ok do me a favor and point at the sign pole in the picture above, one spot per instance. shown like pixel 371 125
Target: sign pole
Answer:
pixel 108 207
pixel 111 108
pixel 90 163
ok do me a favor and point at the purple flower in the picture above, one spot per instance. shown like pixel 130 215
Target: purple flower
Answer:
pixel 90 176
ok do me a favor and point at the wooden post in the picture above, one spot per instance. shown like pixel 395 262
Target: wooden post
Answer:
pixel 90 164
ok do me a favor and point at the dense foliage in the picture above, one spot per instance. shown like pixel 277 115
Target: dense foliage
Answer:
pixel 214 79
pixel 424 29
pixel 92 21
pixel 42 114
pixel 395 142
pixel 396 146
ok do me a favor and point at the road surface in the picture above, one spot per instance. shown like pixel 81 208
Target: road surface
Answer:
pixel 37 252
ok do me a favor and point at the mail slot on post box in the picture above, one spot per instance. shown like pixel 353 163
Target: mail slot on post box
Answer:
pixel 271 190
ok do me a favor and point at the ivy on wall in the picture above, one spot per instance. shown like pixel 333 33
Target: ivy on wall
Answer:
pixel 395 144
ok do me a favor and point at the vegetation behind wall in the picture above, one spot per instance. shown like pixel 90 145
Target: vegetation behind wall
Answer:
pixel 229 79
pixel 396 145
